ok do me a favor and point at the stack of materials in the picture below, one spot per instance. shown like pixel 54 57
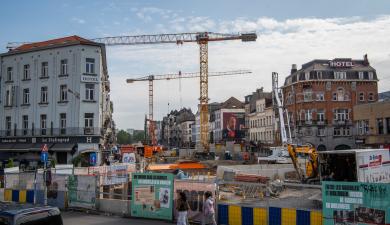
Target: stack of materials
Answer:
pixel 251 178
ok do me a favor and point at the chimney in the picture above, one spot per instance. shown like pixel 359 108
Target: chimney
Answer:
pixel 365 58
pixel 293 68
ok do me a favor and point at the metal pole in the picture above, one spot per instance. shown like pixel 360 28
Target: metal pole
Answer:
pixel 44 183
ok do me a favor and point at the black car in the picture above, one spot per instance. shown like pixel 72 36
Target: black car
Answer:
pixel 16 214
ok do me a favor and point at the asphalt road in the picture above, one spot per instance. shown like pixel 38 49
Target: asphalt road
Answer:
pixel 79 218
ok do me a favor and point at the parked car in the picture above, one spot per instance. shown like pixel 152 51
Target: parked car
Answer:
pixel 16 214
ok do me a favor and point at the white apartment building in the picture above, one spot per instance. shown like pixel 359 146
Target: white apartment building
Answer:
pixel 56 93
pixel 262 122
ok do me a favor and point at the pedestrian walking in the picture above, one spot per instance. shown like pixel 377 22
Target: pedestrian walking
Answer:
pixel 182 207
pixel 208 209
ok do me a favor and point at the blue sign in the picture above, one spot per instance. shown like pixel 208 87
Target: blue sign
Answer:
pixel 44 157
pixel 92 158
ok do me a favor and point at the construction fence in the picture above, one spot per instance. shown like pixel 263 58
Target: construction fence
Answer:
pixel 109 190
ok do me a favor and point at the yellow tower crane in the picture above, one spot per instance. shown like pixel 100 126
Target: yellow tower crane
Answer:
pixel 202 38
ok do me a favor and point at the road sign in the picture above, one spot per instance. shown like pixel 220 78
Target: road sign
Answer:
pixel 92 158
pixel 44 156
pixel 44 148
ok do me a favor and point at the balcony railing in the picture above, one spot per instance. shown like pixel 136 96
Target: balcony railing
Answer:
pixel 70 131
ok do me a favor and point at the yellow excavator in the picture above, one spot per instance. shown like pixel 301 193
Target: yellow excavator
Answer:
pixel 312 170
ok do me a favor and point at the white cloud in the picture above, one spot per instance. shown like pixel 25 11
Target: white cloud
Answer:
pixel 146 14
pixel 280 44
pixel 78 20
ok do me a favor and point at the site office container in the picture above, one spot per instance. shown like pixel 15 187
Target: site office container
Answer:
pixel 356 165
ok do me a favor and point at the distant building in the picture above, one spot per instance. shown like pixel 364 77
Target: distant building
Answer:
pixel 260 118
pixel 384 96
pixel 228 122
pixel 320 97
pixel 56 93
pixel 176 128
pixel 130 131
pixel 372 122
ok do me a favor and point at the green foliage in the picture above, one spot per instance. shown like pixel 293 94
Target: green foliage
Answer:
pixel 76 160
pixel 10 163
pixel 125 138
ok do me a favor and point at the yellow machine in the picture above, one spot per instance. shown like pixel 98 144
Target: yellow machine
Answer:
pixel 311 164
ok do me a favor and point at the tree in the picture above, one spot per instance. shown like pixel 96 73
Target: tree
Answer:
pixel 123 137
pixel 138 136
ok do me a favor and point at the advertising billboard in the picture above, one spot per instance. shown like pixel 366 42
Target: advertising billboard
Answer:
pixel 233 125
pixel 152 195
pixel 194 191
pixel 355 203
pixel 373 166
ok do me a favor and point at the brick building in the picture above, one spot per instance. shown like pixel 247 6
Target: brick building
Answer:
pixel 319 100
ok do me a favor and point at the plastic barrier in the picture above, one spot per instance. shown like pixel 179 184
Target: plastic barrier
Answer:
pixel 241 215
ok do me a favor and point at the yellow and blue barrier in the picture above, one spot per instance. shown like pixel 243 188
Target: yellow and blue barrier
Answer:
pixel 21 196
pixel 239 215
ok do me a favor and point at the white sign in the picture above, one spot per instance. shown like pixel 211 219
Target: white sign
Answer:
pixel 90 79
pixel 128 158
pixel 341 64
pixel 374 166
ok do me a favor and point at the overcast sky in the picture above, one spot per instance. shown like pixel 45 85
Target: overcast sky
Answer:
pixel 289 32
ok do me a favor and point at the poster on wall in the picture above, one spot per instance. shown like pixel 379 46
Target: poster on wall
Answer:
pixel 355 203
pixel 194 190
pixel 153 195
pixel 374 166
pixel 233 126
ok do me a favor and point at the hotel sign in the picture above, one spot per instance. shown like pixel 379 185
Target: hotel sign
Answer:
pixel 67 139
pixel 89 79
pixel 341 64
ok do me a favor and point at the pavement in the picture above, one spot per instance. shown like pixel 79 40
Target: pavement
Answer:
pixel 80 218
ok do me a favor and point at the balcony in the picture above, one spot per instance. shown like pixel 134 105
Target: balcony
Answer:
pixel 342 122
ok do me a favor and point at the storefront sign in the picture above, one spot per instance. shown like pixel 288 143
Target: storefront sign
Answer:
pixel 341 64
pixel 152 195
pixel 355 203
pixel 49 140
pixel 89 79
pixel 194 192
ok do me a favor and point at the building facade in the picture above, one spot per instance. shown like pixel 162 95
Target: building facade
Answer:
pixel 320 97
pixel 55 93
pixel 372 122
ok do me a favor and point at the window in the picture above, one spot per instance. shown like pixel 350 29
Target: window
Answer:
pixel 9 74
pixel 371 75
pixel 45 69
pixel 308 115
pixel 362 127
pixel 89 92
pixel 43 124
pixel 89 65
pixel 26 96
pixel 63 123
pixel 64 67
pixel 307 95
pixel 334 97
pixel 320 96
pixel 321 115
pixel 371 97
pixel 379 123
pixel 341 114
pixel 44 95
pixel 8 98
pixel 25 124
pixel 361 75
pixel 388 125
pixel 63 93
pixel 307 75
pixel 289 98
pixel 340 75
pixel 340 95
pixel 321 132
pixel 88 120
pixel 361 96
pixel 8 125
pixel 26 72
pixel 319 75
pixel 342 131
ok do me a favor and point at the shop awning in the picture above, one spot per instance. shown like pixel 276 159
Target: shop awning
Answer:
pixel 22 147
pixel 62 147
pixel 6 147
